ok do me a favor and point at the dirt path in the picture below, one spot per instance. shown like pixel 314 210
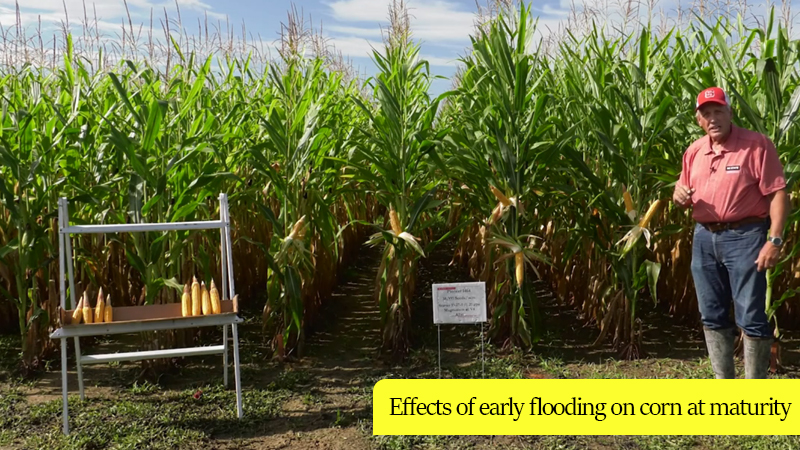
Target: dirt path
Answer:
pixel 336 374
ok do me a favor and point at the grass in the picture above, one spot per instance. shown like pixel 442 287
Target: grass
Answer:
pixel 143 416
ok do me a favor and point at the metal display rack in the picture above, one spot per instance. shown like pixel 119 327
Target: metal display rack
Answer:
pixel 136 319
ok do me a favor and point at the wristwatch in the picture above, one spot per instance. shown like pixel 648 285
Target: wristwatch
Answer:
pixel 776 241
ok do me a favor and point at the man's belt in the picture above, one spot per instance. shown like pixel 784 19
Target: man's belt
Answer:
pixel 720 226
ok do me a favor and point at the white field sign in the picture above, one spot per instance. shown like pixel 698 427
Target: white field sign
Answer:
pixel 459 303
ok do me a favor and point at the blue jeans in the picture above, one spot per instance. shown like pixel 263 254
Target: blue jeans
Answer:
pixel 724 271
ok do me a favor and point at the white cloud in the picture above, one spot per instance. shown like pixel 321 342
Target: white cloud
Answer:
pixel 441 61
pixel 433 22
pixel 354 46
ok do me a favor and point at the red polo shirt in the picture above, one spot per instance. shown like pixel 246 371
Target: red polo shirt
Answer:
pixel 734 183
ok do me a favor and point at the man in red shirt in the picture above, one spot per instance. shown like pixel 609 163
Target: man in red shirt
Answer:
pixel 735 184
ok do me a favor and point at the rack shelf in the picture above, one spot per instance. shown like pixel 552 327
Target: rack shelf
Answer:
pixel 135 319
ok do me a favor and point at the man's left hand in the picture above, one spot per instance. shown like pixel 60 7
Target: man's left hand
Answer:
pixel 768 257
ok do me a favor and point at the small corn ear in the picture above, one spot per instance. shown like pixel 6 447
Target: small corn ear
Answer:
pixel 100 308
pixel 206 299
pixel 88 315
pixel 216 305
pixel 197 300
pixel 109 312
pixel 77 314
pixel 186 301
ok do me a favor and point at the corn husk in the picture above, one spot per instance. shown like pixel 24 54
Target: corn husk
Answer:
pixel 519 263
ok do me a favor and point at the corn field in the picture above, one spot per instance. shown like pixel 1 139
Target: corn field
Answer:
pixel 553 164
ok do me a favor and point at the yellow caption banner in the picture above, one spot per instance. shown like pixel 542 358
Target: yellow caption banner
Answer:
pixel 586 407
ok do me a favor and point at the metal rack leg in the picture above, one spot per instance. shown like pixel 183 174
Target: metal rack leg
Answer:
pixel 64 392
pixel 225 355
pixel 80 368
pixel 236 374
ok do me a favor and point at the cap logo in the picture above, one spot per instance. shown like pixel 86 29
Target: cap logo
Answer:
pixel 709 94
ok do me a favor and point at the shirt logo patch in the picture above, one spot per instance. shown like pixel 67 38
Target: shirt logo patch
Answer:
pixel 733 168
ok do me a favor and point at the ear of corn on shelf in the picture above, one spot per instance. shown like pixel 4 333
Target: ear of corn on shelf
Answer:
pixel 196 300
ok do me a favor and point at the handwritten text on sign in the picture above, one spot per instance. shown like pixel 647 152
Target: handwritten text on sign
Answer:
pixel 459 303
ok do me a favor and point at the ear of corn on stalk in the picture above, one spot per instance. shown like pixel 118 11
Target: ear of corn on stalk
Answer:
pixel 500 196
pixel 197 301
pixel 206 299
pixel 649 214
pixel 626 197
pixel 216 306
pixel 186 301
pixel 394 220
pixel 109 313
pixel 298 230
pixel 88 316
pixel 99 309
pixel 519 262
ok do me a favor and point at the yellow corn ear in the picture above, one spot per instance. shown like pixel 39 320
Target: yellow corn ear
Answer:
pixel 500 196
pixel 186 301
pixel 77 315
pixel 394 220
pixel 519 262
pixel 100 308
pixel 88 316
pixel 216 305
pixel 206 299
pixel 109 312
pixel 197 301
pixel 626 196
pixel 650 213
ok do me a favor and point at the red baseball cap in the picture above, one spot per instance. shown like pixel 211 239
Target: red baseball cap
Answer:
pixel 711 95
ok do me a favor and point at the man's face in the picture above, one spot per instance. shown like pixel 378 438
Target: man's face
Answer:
pixel 715 119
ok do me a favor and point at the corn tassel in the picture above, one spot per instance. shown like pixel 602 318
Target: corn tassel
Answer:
pixel 109 312
pixel 395 222
pixel 197 301
pixel 500 196
pixel 186 301
pixel 88 316
pixel 216 305
pixel 519 262
pixel 100 308
pixel 206 299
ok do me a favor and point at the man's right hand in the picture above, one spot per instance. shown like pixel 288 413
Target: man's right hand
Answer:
pixel 682 195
